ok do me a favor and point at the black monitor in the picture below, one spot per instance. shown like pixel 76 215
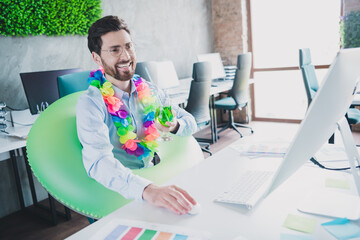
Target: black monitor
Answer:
pixel 41 88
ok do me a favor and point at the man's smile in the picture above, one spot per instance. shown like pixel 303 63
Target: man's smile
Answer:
pixel 124 66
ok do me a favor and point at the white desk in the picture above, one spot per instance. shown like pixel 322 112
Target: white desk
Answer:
pixel 180 94
pixel 226 221
pixel 13 145
pixel 16 146
pixel 8 143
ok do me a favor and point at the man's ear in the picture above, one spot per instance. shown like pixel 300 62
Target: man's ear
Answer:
pixel 97 58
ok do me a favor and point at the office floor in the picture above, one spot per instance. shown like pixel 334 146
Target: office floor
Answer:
pixel 27 225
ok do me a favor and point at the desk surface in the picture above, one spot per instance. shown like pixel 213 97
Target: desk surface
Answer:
pixel 226 221
pixel 180 94
pixel 8 143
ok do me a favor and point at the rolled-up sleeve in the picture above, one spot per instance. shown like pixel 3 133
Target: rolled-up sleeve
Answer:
pixel 97 154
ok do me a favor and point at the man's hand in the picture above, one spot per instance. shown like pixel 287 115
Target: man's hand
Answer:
pixel 170 197
pixel 172 126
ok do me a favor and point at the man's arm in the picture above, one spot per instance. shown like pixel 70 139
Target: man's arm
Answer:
pixel 98 158
pixel 171 197
pixel 101 165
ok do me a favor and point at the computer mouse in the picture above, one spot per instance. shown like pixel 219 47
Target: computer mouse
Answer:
pixel 195 209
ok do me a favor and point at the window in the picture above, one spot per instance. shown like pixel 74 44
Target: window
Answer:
pixel 279 29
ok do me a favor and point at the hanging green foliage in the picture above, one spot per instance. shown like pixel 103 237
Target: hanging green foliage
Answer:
pixel 350 30
pixel 47 17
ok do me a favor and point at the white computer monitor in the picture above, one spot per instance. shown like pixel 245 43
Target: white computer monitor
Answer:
pixel 161 73
pixel 327 109
pixel 166 75
pixel 217 67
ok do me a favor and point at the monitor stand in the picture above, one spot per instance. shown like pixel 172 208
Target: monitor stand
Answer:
pixel 351 151
pixel 333 203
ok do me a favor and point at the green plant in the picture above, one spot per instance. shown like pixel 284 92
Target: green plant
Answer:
pixel 47 17
pixel 350 30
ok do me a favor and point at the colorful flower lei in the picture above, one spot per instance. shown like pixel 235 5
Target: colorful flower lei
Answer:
pixel 142 148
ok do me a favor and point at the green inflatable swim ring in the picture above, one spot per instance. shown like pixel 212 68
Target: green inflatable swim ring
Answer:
pixel 54 154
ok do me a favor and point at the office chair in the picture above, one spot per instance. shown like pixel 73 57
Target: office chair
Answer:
pixel 146 70
pixel 73 82
pixel 238 95
pixel 312 86
pixel 198 101
pixel 54 154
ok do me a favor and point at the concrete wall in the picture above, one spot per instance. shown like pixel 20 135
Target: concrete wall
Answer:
pixel 162 30
pixel 174 30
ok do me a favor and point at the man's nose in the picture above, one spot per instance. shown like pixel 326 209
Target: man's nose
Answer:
pixel 124 55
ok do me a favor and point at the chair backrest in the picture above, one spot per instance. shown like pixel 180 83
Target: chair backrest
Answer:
pixel 41 88
pixel 161 73
pixel 240 88
pixel 73 82
pixel 198 102
pixel 146 70
pixel 308 73
pixel 202 71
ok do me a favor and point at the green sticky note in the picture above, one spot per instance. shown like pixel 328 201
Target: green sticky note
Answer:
pixel 299 223
pixel 337 183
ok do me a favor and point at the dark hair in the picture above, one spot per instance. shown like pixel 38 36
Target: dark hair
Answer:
pixel 101 27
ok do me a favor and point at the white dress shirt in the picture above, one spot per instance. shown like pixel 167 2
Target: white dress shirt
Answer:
pixel 103 157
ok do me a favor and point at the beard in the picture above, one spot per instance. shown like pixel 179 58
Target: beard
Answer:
pixel 115 73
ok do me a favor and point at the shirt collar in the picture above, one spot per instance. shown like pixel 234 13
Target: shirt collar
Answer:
pixel 120 93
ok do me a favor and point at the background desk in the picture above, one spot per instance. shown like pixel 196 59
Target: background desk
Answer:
pixel 13 145
pixel 16 147
pixel 226 221
pixel 180 94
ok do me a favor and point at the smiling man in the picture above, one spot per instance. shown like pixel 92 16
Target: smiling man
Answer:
pixel 115 120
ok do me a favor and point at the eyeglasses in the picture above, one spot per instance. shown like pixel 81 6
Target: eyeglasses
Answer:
pixel 118 50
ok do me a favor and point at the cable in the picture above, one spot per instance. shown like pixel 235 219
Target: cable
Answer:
pixel 14 109
pixel 22 124
pixel 333 169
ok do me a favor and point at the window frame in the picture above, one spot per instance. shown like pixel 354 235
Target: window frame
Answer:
pixel 253 70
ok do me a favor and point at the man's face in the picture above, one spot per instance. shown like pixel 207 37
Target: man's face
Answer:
pixel 118 55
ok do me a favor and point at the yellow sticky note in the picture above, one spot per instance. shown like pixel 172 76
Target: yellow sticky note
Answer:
pixel 337 183
pixel 299 223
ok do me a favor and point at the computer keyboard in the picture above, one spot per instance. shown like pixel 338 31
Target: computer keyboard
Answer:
pixel 248 190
